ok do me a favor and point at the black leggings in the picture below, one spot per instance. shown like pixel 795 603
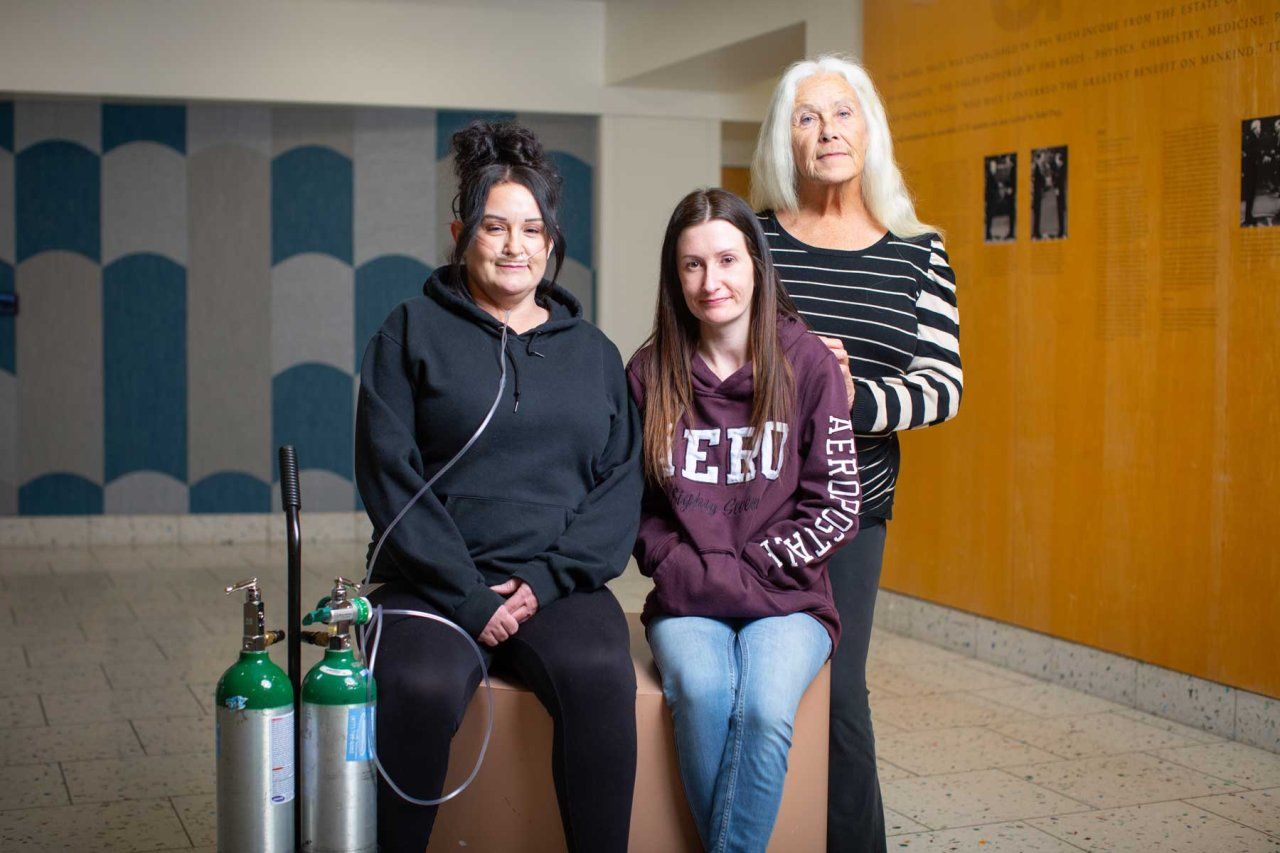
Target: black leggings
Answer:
pixel 855 814
pixel 574 655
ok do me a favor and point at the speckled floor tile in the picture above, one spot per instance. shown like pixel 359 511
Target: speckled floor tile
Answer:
pixel 977 797
pixel 116 558
pixel 945 710
pixel 203 692
pixel 119 827
pixel 904 651
pixel 992 838
pixel 113 739
pixel 55 624
pixel 133 704
pixel 20 711
pixel 1190 733
pixel 76 678
pixel 63 560
pixel 176 736
pixel 1162 827
pixel 1244 765
pixel 897 824
pixel 160 612
pixel 888 771
pixel 957 750
pixel 160 628
pixel 213 556
pixel 1257 809
pixel 32 786
pixel 40 594
pixel 925 678
pixel 199 816
pixel 139 778
pixel 19 560
pixel 96 651
pixel 1090 735
pixel 73 578
pixel 1017 648
pixel 883 728
pixel 897 680
pixel 220 647
pixel 129 674
pixel 1009 675
pixel 1123 780
pixel 1049 700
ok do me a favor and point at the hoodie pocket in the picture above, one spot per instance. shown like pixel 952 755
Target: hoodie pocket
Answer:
pixel 503 533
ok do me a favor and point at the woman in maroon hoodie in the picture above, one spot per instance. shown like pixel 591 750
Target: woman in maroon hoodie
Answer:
pixel 751 486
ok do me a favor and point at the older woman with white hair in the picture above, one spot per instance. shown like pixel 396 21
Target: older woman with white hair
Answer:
pixel 875 283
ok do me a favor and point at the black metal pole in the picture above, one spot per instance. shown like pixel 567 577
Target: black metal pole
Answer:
pixel 291 503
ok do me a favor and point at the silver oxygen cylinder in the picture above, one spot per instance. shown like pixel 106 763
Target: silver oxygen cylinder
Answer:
pixel 339 781
pixel 254 742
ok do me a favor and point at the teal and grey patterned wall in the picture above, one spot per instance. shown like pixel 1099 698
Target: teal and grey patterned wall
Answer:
pixel 197 284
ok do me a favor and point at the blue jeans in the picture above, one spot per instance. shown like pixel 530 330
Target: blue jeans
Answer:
pixel 733 686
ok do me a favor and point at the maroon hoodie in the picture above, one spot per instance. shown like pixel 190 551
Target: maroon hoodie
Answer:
pixel 732 534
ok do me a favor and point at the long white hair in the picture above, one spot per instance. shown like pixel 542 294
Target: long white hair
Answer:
pixel 773 168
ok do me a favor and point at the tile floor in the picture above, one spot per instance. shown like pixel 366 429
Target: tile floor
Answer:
pixel 112 655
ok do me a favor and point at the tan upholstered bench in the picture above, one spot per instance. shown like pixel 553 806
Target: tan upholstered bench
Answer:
pixel 511 806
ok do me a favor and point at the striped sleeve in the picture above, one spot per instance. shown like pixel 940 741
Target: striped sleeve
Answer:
pixel 929 392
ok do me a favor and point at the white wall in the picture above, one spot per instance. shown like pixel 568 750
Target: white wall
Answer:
pixel 646 166
pixel 644 36
pixel 545 56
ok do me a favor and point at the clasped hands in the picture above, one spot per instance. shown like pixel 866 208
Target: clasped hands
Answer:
pixel 521 603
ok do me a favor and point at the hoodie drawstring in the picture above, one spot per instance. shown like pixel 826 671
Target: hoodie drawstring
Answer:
pixel 515 367
pixel 515 370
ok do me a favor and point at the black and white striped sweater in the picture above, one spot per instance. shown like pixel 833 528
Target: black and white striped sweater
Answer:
pixel 894 306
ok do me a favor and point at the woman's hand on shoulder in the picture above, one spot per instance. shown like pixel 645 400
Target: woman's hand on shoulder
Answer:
pixel 842 356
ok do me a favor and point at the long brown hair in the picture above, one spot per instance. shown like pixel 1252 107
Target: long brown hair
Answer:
pixel 669 377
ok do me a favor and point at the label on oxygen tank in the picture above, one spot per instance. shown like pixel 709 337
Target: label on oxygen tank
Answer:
pixel 282 757
pixel 359 733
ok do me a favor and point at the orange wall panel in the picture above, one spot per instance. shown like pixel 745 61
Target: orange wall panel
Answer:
pixel 1113 475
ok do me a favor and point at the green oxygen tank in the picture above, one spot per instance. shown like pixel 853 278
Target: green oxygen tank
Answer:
pixel 254 741
pixel 339 781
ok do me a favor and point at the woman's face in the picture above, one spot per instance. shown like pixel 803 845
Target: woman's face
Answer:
pixel 508 256
pixel 717 275
pixel 828 130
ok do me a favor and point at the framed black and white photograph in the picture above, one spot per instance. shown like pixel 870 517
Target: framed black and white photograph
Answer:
pixel 1000 183
pixel 1260 171
pixel 1049 193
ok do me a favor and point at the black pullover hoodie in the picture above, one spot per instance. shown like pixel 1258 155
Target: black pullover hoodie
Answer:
pixel 550 493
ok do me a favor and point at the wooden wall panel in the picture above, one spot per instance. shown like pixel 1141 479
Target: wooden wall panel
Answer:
pixel 736 179
pixel 1113 475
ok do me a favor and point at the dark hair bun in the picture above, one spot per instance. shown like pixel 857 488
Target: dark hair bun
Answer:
pixel 485 143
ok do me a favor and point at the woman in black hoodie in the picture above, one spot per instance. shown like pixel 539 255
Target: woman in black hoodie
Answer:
pixel 516 541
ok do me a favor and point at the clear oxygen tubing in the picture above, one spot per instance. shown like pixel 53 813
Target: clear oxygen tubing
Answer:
pixel 375 624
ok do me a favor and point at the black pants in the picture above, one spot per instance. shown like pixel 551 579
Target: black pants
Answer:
pixel 574 655
pixel 855 814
